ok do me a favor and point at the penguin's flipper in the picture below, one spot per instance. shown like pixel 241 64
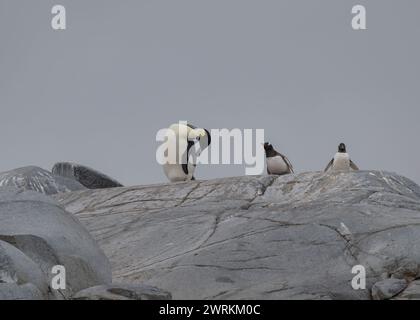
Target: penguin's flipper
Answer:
pixel 288 163
pixel 185 165
pixel 268 171
pixel 185 168
pixel 329 165
pixel 353 166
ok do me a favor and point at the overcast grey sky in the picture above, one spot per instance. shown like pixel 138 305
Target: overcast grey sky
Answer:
pixel 98 92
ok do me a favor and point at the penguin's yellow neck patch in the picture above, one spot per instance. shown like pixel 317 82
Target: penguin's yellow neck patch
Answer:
pixel 197 133
pixel 201 132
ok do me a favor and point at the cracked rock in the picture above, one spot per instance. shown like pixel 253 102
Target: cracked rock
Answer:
pixel 412 292
pixel 386 289
pixel 13 291
pixel 296 236
pixel 86 176
pixel 37 234
pixel 122 292
pixel 37 179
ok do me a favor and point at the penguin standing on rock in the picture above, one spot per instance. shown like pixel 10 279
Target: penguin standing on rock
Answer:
pixel 276 162
pixel 341 161
pixel 181 141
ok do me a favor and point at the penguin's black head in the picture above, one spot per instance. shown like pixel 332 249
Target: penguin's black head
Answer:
pixel 269 150
pixel 342 148
pixel 268 147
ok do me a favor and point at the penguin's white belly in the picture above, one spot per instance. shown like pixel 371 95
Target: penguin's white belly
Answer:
pixel 276 165
pixel 341 162
pixel 175 173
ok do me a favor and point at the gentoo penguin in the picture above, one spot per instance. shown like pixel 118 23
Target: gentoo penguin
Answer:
pixel 182 139
pixel 276 162
pixel 341 161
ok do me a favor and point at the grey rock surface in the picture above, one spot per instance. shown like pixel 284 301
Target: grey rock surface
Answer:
pixel 412 292
pixel 37 234
pixel 122 292
pixel 37 179
pixel 264 237
pixel 388 288
pixel 88 177
pixel 17 268
pixel 13 291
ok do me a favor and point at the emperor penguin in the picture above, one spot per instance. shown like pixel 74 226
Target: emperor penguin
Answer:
pixel 341 161
pixel 276 162
pixel 181 142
